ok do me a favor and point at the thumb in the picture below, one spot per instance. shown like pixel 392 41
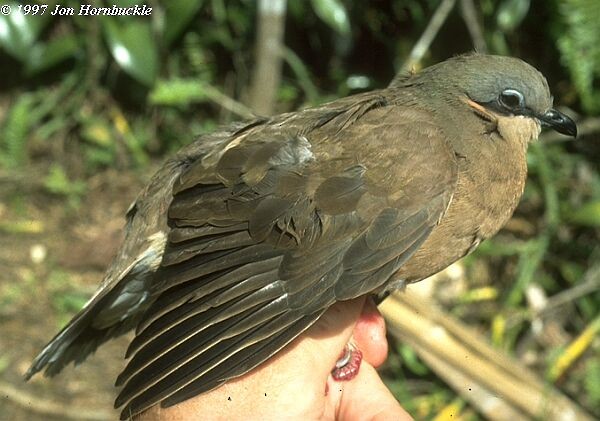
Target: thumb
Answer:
pixel 366 398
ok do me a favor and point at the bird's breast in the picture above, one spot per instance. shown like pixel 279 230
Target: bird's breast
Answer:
pixel 490 185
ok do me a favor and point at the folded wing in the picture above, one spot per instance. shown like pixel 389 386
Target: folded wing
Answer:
pixel 263 240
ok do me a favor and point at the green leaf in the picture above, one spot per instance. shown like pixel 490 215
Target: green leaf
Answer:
pixel 412 361
pixel 334 14
pixel 4 363
pixel 511 13
pixel 177 92
pixel 219 11
pixel 44 56
pixel 571 271
pixel 587 215
pixel 18 32
pixel 133 48
pixel 178 14
pixel 129 3
pixel 13 139
pixel 57 182
pixel 98 132
pixel 592 381
pixel 95 156
pixel 580 50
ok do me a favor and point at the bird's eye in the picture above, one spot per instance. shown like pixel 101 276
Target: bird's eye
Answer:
pixel 512 99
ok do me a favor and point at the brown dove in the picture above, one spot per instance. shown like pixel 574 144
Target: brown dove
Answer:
pixel 244 238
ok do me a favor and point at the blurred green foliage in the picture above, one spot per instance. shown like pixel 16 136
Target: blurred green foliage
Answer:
pixel 580 50
pixel 80 94
pixel 159 68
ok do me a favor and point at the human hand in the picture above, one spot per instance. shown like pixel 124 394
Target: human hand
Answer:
pixel 297 382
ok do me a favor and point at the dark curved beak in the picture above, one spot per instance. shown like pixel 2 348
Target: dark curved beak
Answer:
pixel 559 122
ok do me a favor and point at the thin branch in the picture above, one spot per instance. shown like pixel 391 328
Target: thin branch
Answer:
pixel 471 18
pixel 433 27
pixel 590 284
pixel 227 102
pixel 302 75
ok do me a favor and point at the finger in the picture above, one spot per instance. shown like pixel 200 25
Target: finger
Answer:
pixel 324 342
pixel 370 335
pixel 367 398
pixel 272 388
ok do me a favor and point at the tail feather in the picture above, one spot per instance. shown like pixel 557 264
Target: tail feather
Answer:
pixel 73 344
pixel 82 336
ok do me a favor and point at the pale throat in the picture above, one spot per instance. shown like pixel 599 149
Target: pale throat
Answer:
pixel 519 128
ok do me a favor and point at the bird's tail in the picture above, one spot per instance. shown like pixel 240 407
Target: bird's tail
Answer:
pixel 75 342
pixel 89 329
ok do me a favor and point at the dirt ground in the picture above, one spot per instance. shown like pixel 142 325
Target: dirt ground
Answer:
pixel 51 253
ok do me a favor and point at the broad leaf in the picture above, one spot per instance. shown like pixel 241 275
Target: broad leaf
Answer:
pixel 334 14
pixel 133 48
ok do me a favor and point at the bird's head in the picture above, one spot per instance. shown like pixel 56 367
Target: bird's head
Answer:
pixel 502 86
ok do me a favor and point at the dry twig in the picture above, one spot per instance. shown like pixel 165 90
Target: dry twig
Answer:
pixel 471 18
pixel 465 360
pixel 589 284
pixel 427 37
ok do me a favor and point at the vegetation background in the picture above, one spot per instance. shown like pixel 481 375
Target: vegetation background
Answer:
pixel 90 105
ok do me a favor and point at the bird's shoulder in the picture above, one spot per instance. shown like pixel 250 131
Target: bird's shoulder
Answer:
pixel 387 132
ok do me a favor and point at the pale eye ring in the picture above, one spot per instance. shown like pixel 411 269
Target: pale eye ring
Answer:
pixel 512 99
